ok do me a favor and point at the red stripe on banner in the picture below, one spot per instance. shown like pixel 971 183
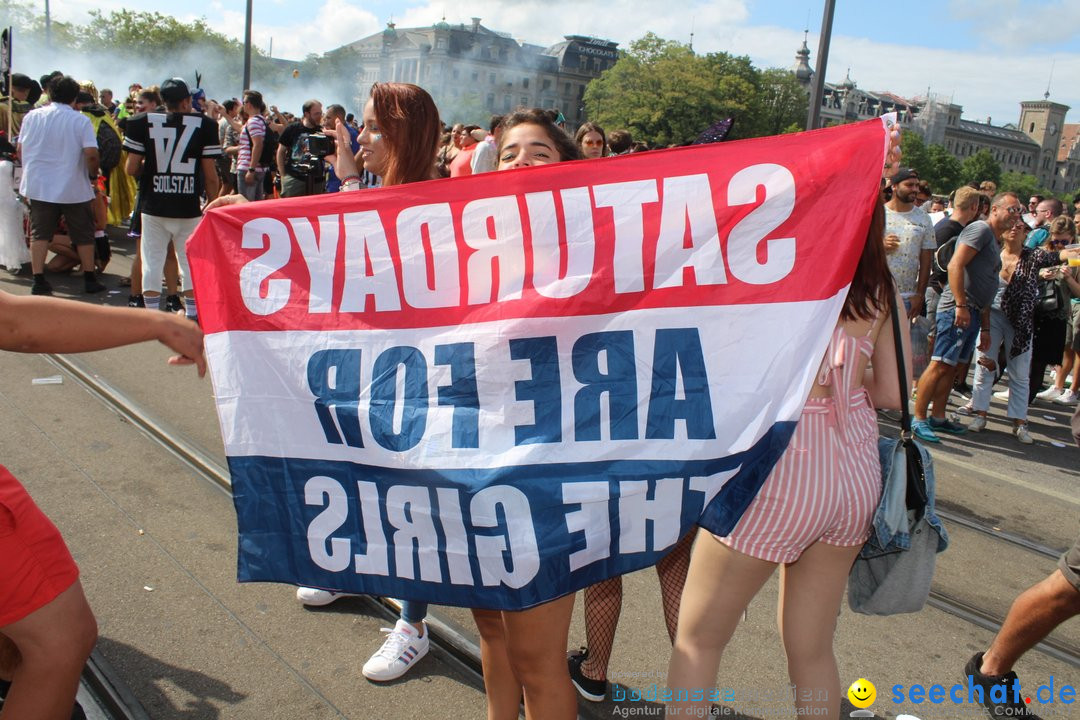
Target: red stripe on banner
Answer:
pixel 778 219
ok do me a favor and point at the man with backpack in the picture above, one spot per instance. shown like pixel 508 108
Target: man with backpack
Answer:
pixel 258 149
pixel 965 208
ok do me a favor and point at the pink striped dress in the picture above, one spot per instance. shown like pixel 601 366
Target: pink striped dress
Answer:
pixel 827 483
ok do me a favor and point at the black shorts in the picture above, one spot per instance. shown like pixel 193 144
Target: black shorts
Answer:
pixel 1069 564
pixel 45 217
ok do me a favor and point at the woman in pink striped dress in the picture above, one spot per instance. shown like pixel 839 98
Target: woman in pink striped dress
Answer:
pixel 811 517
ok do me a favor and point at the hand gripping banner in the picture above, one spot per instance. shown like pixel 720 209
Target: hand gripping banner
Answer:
pixel 495 390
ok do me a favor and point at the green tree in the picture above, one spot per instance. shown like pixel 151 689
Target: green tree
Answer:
pixel 658 90
pixel 913 151
pixel 1023 184
pixel 664 93
pixel 942 170
pixel 783 102
pixel 980 167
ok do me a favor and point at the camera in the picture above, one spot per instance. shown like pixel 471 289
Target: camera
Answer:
pixel 317 145
pixel 313 148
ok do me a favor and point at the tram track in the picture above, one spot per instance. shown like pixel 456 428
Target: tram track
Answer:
pixel 946 602
pixel 447 636
pixel 105 686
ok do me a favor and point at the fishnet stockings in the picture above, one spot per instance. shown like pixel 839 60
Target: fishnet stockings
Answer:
pixel 603 605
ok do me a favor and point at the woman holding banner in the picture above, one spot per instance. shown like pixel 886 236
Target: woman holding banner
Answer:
pixel 398 143
pixel 524 652
pixel 811 516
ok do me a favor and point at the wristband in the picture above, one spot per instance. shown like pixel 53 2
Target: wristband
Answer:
pixel 347 178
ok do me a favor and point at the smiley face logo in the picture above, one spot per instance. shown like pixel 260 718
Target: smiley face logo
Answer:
pixel 862 693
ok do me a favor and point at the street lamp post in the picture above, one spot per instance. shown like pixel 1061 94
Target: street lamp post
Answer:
pixel 247 47
pixel 813 116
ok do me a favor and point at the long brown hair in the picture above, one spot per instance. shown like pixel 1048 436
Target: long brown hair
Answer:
pixel 587 128
pixel 410 127
pixel 873 283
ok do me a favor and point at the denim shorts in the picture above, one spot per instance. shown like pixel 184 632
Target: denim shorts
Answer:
pixel 1069 564
pixel 953 345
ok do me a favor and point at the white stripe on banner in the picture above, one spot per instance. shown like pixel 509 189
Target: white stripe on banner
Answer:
pixel 407 399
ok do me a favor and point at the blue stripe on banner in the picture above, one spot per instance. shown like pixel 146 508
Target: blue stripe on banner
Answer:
pixel 498 538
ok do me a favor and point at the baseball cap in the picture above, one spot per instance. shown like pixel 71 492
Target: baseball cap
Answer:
pixel 174 90
pixel 903 174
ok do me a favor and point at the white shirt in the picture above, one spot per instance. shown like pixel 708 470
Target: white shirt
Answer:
pixel 483 159
pixel 51 144
pixel 916 234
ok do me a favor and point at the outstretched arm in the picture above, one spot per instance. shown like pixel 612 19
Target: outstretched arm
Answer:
pixel 43 324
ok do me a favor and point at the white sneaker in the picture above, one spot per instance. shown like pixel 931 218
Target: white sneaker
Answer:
pixel 399 652
pixel 1050 393
pixel 977 424
pixel 1002 395
pixel 1022 434
pixel 1067 398
pixel 314 597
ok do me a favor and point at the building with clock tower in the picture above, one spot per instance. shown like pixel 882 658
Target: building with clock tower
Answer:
pixel 1042 121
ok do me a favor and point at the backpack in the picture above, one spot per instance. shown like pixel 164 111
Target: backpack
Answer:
pixel 108 142
pixel 942 256
pixel 109 148
pixel 271 140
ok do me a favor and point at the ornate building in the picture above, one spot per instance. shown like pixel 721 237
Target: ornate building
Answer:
pixel 472 71
pixel 1040 145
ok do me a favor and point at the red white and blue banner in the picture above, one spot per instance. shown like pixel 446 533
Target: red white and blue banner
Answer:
pixel 495 390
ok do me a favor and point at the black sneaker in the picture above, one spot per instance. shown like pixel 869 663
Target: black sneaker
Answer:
pixel 173 304
pixel 1003 686
pixel 92 286
pixel 953 428
pixel 136 301
pixel 41 288
pixel 591 690
pixel 963 390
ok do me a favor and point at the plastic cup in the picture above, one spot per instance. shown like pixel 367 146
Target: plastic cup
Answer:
pixel 1074 262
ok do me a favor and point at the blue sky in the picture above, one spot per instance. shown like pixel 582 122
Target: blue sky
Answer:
pixel 986 55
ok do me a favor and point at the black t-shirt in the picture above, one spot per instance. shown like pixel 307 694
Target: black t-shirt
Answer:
pixel 944 231
pixel 174 145
pixel 291 140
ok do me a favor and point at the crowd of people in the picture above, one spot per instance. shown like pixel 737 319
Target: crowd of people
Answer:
pixel 812 515
pixel 982 271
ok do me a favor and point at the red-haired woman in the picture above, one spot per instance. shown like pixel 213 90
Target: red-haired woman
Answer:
pixel 398 143
pixel 811 516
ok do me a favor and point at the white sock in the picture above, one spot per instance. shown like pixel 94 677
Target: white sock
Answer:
pixel 189 305
pixel 153 302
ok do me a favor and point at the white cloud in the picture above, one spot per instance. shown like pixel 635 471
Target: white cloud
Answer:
pixel 1012 62
pixel 545 23
pixel 1013 24
pixel 335 23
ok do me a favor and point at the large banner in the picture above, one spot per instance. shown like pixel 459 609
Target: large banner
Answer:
pixel 492 391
